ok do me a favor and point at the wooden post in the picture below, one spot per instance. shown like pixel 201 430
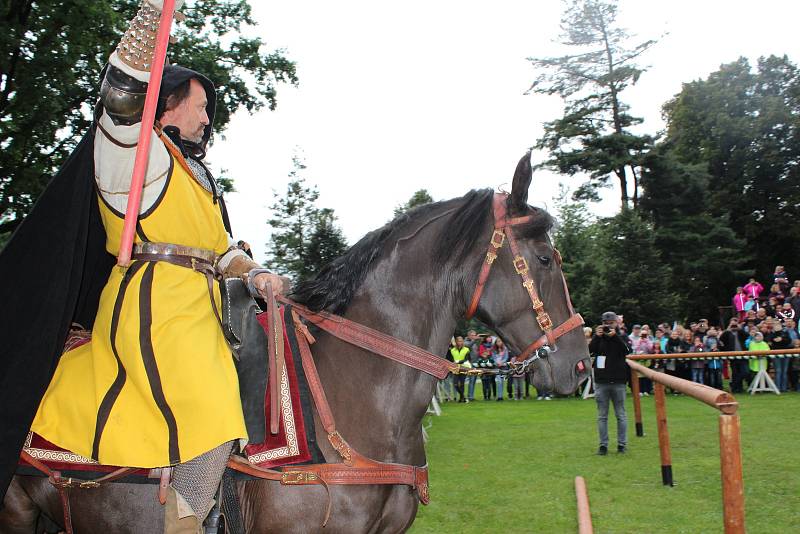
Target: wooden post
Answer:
pixel 637 402
pixel 663 435
pixel 584 514
pixel 731 472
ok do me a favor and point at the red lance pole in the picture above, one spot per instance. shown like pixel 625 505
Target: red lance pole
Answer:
pixel 143 147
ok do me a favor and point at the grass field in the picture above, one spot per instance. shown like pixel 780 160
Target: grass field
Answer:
pixel 510 467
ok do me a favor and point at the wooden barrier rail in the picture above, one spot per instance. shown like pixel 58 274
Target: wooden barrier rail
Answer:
pixel 729 437
pixel 584 514
pixel 713 354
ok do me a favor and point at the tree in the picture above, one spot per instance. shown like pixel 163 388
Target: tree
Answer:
pixel 593 136
pixel 51 56
pixel 574 238
pixel 304 238
pixel 630 275
pixel 325 244
pixel 419 198
pixel 706 256
pixel 742 126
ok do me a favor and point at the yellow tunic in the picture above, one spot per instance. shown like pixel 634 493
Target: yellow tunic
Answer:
pixel 156 385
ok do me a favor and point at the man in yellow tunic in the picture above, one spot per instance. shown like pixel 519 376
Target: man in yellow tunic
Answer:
pixel 156 386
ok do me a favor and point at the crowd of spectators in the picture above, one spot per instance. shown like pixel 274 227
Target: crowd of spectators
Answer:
pixel 761 321
pixel 485 352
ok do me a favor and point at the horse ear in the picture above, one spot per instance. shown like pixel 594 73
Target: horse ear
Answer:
pixel 518 201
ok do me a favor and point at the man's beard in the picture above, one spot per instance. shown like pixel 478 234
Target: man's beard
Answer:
pixel 197 138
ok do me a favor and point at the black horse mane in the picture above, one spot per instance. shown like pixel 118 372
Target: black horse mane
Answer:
pixel 333 288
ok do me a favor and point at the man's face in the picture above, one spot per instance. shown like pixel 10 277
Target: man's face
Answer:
pixel 189 116
pixel 459 342
pixel 472 334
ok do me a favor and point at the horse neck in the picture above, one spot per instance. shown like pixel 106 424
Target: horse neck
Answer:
pixel 408 297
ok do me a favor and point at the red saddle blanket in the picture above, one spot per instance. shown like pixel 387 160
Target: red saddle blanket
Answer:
pixel 288 446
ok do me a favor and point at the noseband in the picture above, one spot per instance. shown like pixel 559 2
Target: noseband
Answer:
pixel 502 232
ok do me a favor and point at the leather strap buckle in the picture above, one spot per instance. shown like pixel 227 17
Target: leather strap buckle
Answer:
pixel 490 257
pixel 498 238
pixel 291 478
pixel 341 446
pixel 544 321
pixel 520 265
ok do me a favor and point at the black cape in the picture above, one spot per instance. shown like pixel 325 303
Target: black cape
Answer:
pixel 52 272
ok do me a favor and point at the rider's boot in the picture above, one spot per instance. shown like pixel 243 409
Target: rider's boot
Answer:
pixel 178 525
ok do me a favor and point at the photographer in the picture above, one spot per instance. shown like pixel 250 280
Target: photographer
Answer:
pixel 610 377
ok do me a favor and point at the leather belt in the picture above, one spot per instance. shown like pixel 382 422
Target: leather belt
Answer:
pixel 196 259
pixel 170 249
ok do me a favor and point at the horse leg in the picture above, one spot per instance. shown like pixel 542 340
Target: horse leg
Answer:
pixel 25 503
pixel 119 508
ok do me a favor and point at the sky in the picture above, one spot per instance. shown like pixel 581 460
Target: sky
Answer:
pixel 397 97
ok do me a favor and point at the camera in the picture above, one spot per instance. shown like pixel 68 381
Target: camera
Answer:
pixel 606 329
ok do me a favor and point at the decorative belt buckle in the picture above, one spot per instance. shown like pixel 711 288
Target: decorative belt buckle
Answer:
pixel 498 238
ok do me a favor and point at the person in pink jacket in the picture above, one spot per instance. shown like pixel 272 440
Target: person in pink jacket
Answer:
pixel 738 301
pixel 754 288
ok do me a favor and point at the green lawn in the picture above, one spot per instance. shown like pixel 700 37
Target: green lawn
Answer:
pixel 510 467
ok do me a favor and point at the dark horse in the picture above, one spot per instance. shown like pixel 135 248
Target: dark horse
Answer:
pixel 412 279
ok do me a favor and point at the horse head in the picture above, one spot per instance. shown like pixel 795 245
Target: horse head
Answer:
pixel 522 295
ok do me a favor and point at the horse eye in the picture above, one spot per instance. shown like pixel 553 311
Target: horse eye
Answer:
pixel 544 260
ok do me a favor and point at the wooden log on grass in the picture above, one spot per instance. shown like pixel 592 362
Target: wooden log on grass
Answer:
pixel 584 513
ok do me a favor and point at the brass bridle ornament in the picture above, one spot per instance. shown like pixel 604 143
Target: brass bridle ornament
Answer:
pixel 503 225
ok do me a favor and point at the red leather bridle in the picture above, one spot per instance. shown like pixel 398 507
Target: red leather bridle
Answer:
pixel 502 232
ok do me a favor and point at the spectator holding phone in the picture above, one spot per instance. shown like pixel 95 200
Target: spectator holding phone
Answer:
pixel 610 377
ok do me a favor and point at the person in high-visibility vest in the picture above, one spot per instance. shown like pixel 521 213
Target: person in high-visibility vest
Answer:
pixel 460 355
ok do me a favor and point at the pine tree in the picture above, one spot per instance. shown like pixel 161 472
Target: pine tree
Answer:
pixel 707 258
pixel 593 135
pixel 304 237
pixel 325 244
pixel 631 276
pixel 419 198
pixel 574 238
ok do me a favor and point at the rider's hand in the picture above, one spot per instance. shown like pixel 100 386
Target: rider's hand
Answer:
pixel 280 284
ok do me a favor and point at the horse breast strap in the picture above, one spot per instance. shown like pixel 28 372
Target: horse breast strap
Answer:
pixel 503 225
